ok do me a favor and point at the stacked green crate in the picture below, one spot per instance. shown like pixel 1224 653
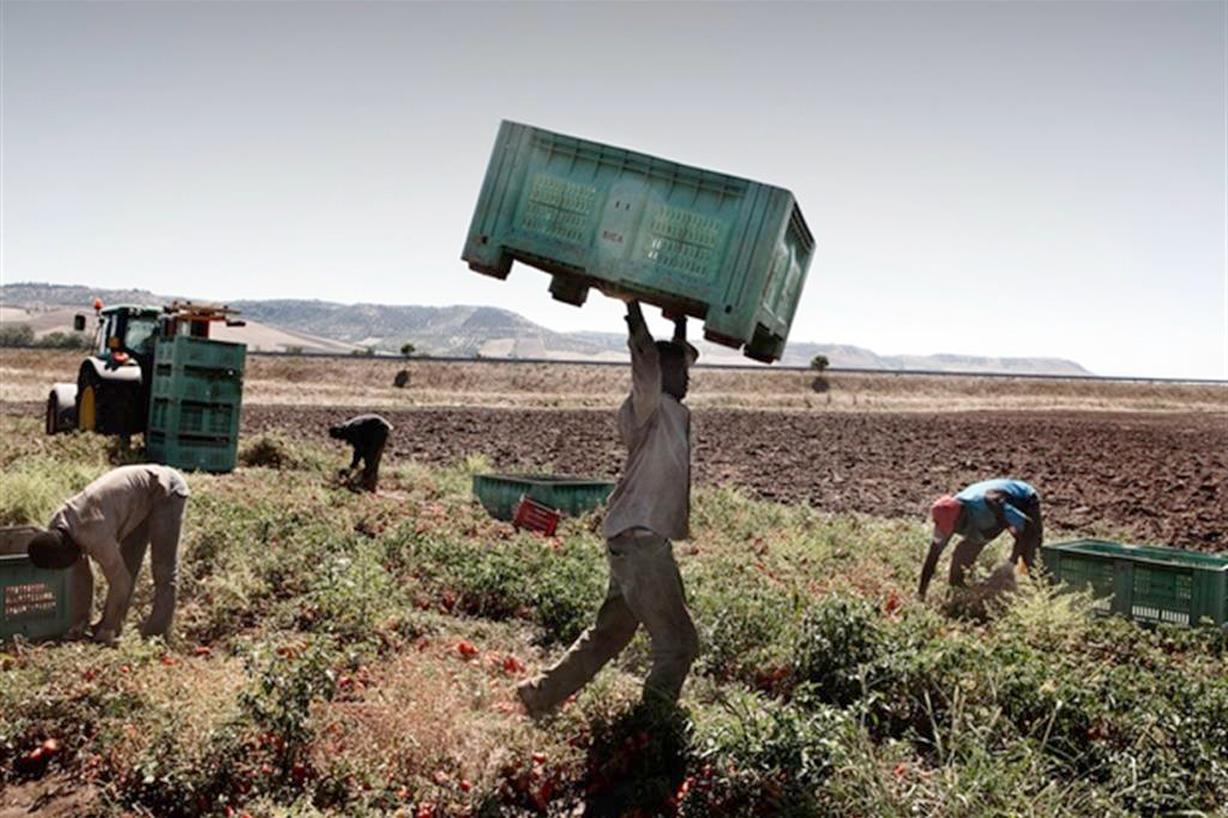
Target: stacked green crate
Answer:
pixel 195 403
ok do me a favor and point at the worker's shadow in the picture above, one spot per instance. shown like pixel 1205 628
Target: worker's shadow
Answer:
pixel 984 598
pixel 637 761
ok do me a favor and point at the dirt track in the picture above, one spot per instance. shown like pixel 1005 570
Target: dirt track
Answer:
pixel 1158 478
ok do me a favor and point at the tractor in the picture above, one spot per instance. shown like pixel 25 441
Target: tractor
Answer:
pixel 112 392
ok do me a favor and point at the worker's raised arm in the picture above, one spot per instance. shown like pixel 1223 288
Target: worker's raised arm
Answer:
pixel 938 543
pixel 645 365
pixel 119 590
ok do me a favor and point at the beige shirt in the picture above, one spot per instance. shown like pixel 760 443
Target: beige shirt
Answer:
pixel 108 510
pixel 655 489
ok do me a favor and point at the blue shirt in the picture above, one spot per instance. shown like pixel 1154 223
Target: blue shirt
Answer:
pixel 982 502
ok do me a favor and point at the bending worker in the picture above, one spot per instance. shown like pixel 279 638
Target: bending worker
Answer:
pixel 113 520
pixel 979 514
pixel 367 434
pixel 649 507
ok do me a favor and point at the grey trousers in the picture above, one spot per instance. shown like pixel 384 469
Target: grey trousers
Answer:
pixel 645 588
pixel 159 532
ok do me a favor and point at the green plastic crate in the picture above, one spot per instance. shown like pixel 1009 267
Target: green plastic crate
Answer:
pixel 499 493
pixel 34 603
pixel 728 250
pixel 189 452
pixel 181 351
pixel 176 417
pixel 1148 583
pixel 196 384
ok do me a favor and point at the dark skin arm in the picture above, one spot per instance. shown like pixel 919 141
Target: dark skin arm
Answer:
pixel 931 562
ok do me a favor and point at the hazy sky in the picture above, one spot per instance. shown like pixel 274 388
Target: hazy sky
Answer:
pixel 983 178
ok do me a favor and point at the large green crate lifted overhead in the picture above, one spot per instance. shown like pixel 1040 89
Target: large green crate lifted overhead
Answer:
pixel 727 250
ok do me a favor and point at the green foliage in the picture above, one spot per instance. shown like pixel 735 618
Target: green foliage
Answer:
pixel 22 335
pixel 819 362
pixel 288 681
pixel 559 588
pixel 351 593
pixel 276 450
pixel 822 687
pixel 838 637
pixel 637 759
pixel 34 487
pixel 64 340
pixel 754 756
pixel 16 335
pixel 566 590
pixel 743 631
pixel 407 349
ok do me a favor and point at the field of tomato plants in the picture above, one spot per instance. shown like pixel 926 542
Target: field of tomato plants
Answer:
pixel 346 654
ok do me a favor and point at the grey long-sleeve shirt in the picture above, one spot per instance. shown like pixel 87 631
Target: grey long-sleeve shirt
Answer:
pixel 105 512
pixel 655 489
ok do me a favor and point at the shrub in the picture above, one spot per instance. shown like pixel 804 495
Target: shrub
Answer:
pixel 756 757
pixel 838 637
pixel 743 632
pixel 637 760
pixel 568 586
pixel 34 488
pixel 16 335
pixel 350 593
pixel 274 450
pixel 64 340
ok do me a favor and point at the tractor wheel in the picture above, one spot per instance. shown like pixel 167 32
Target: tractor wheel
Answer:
pixel 87 404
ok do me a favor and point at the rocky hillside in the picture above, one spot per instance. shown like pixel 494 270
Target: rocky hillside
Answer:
pixel 465 331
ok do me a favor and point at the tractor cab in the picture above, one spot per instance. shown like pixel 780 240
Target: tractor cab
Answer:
pixel 125 335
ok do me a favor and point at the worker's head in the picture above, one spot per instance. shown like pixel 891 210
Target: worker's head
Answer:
pixel 945 513
pixel 676 359
pixel 52 549
pixel 334 431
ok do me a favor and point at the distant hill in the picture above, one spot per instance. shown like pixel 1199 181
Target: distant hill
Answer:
pixel 463 331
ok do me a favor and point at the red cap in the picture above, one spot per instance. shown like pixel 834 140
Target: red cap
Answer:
pixel 945 512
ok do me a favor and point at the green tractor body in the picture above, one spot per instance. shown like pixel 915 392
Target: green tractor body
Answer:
pixel 113 391
pixel 113 382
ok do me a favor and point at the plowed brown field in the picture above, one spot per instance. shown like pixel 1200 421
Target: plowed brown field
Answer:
pixel 1156 478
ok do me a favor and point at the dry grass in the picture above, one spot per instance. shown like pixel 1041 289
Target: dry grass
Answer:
pixel 26 374
pixel 434 715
